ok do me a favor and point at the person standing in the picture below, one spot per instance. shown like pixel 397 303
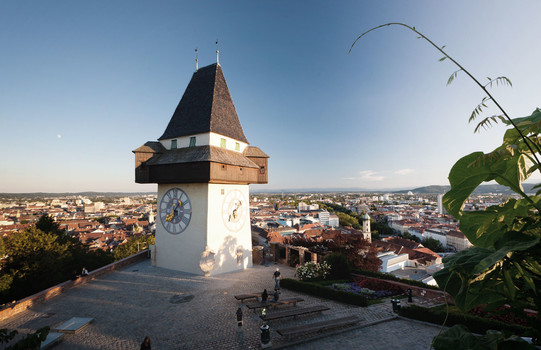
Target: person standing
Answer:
pixel 277 277
pixel 145 345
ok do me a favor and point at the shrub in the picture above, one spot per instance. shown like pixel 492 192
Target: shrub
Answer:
pixel 380 285
pixel 324 292
pixel 377 292
pixel 313 270
pixel 339 265
pixel 475 324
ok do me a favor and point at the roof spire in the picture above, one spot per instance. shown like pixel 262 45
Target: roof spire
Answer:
pixel 196 60
pixel 217 53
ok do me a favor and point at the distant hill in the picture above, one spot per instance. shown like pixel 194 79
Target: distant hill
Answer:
pixel 88 194
pixel 494 188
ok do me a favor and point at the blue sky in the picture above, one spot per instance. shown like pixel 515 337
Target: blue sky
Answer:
pixel 84 83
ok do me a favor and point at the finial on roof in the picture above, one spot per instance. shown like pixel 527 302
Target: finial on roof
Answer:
pixel 196 60
pixel 217 53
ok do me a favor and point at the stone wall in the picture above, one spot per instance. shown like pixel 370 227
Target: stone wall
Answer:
pixel 8 310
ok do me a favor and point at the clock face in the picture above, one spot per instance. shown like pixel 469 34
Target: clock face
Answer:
pixel 234 210
pixel 175 210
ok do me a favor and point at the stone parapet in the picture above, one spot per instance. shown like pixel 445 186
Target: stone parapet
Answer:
pixel 18 306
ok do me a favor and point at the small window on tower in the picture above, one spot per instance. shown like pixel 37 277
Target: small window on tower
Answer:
pixel 173 144
pixel 222 143
pixel 237 146
pixel 262 170
pixel 192 141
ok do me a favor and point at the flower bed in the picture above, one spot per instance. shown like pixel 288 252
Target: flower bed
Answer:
pixel 504 314
pixel 371 289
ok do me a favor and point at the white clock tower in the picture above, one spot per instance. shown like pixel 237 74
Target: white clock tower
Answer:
pixel 203 164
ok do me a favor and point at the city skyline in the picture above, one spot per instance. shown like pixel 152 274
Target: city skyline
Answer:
pixel 84 84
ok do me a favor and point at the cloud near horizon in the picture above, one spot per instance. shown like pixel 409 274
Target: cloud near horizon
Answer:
pixel 404 171
pixel 369 175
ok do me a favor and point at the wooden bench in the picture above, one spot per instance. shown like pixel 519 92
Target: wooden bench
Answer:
pixel 243 297
pixel 293 312
pixel 254 305
pixel 317 326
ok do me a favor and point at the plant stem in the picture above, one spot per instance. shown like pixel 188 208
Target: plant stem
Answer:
pixel 524 137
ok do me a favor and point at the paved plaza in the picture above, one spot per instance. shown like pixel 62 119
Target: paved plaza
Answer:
pixel 183 311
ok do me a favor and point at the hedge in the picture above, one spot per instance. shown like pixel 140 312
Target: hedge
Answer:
pixel 324 292
pixel 388 276
pixel 475 324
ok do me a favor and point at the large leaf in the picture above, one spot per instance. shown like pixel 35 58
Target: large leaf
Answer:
pixel 530 124
pixel 485 228
pixel 456 279
pixel 458 337
pixel 464 181
pixel 518 243
pixel 477 276
pixel 476 168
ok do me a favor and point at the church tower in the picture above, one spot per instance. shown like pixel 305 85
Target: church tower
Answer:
pixel 203 165
pixel 366 227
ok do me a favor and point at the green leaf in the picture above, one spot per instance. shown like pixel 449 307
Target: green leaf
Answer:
pixel 443 58
pixel 485 228
pixel 457 337
pixel 463 179
pixel 526 276
pixel 511 288
pixel 476 168
pixel 529 124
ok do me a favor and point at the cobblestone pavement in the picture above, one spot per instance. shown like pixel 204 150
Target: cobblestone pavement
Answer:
pixel 141 300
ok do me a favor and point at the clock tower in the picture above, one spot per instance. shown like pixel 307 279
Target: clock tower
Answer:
pixel 203 165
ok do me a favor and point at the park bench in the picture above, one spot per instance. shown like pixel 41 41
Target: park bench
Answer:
pixel 254 305
pixel 243 297
pixel 317 327
pixel 293 312
pixel 73 325
pixel 52 339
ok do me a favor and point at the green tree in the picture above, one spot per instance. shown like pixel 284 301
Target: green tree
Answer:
pixel 35 261
pixel 347 220
pixel 411 237
pixel 433 244
pixel 339 265
pixel 503 267
pixel 28 342
pixel 135 244
pixel 47 224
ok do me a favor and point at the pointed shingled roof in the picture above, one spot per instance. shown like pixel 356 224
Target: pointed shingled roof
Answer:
pixel 206 106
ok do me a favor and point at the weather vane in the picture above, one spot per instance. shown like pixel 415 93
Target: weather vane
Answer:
pixel 217 53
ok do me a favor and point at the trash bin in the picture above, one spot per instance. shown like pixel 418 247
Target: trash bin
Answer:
pixel 265 334
pixel 239 317
pixel 396 305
